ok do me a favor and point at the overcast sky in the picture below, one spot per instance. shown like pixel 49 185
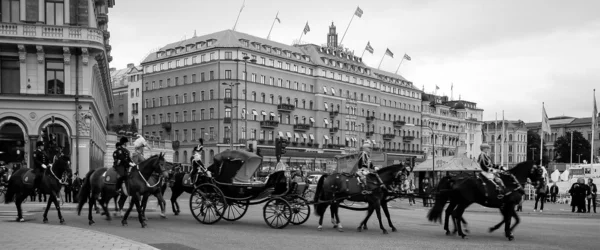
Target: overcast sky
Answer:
pixel 509 55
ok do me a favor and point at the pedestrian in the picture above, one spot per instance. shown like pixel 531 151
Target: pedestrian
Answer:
pixel 583 191
pixel 520 206
pixel 411 193
pixel 425 192
pixel 553 192
pixel 540 194
pixel 591 195
pixel 574 191
pixel 69 190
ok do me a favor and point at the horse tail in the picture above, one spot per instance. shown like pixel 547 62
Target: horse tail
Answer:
pixel 441 198
pixel 319 208
pixel 84 192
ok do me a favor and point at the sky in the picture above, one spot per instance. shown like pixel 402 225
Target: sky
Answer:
pixel 510 55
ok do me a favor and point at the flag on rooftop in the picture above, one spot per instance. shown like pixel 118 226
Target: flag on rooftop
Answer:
pixel 389 53
pixel 306 28
pixel 358 12
pixel 369 48
pixel 407 57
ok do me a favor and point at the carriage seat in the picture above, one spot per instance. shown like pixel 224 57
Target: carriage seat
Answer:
pixel 250 183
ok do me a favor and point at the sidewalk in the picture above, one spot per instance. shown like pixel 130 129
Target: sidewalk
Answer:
pixel 34 206
pixel 38 236
pixel 549 209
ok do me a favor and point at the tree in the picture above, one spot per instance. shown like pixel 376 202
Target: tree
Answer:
pixel 581 146
pixel 133 127
pixel 533 147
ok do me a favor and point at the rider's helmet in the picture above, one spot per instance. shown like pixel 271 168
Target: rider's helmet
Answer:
pixel 484 146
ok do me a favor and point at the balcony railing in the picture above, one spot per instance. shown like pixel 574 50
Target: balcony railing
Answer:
pixel 228 100
pixel 471 119
pixel 166 126
pixel 226 140
pixel 301 127
pixel 286 107
pixel 176 145
pixel 334 130
pixel 60 33
pixel 134 111
pixel 333 114
pixel 370 118
pixel 388 137
pixel 227 120
pixel 269 124
pixel 399 124
pixel 408 138
pixel 370 133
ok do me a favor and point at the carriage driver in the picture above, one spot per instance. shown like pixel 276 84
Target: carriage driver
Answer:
pixel 40 163
pixel 487 167
pixel 139 144
pixel 122 162
pixel 364 163
pixel 197 164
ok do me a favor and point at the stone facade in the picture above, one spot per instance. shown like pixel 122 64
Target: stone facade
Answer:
pixel 158 146
pixel 514 149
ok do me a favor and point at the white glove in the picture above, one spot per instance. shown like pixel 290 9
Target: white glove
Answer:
pixel 44 166
pixel 131 164
pixel 208 173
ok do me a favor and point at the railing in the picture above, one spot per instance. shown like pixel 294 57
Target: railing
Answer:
pixel 227 120
pixel 471 119
pixel 134 111
pixel 228 100
pixel 333 114
pixel 302 127
pixel 269 124
pixel 370 118
pixel 388 136
pixel 334 130
pixel 242 141
pixel 226 140
pixel 408 138
pixel 370 133
pixel 166 126
pixel 399 123
pixel 51 32
pixel 286 107
pixel 176 145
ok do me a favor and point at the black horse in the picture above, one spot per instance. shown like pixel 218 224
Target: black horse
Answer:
pixel 333 189
pixel 463 192
pixel 21 185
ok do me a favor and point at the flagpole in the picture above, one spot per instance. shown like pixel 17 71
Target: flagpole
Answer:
pixel 381 60
pixel 238 17
pixel 571 149
pixel 502 143
pixel 542 137
pixel 594 122
pixel 299 40
pixel 400 63
pixel 269 35
pixel 363 52
pixel 353 14
pixel 496 139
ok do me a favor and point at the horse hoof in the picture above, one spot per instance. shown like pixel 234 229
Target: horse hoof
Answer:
pixel 163 216
pixel 144 225
pixel 123 223
pixel 365 228
pixel 511 238
pixel 176 213
pixel 359 229
pixel 45 220
pixel 394 229
pixel 20 220
pixel 467 231
pixel 448 233
pixel 385 232
pixel 491 230
pixel 334 226
pixel 340 230
pixel 465 237
pixel 62 221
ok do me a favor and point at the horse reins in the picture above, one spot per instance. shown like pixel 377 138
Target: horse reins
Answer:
pixel 148 184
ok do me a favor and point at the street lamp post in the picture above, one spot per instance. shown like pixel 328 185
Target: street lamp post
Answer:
pixel 246 58
pixel 432 150
pixel 579 157
pixel 231 130
pixel 532 152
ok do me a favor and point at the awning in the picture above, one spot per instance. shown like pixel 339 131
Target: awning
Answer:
pixel 272 114
pixel 280 134
pixel 332 91
pixel 312 119
pixel 289 134
pixel 254 112
pixel 326 121
pixel 312 137
pixel 325 89
pixel 297 135
pixel 304 135
pixel 326 106
pixel 354 138
pixel 264 113
pixel 347 139
pixel 326 137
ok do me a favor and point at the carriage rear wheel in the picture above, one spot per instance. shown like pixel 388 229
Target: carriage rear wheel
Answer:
pixel 207 203
pixel 300 210
pixel 235 210
pixel 277 213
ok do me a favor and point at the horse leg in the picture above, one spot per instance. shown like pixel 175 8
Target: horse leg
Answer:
pixel 335 208
pixel 494 228
pixel 517 220
pixel 162 203
pixel 136 198
pixel 104 204
pixel 465 225
pixel 363 223
pixel 174 205
pixel 18 201
pixel 457 214
pixel 384 206
pixel 378 211
pixel 122 200
pixel 449 211
pixel 143 204
pixel 507 216
pixel 54 199
pixel 49 201
pixel 332 212
pixel 126 215
pixel 91 203
pixel 325 205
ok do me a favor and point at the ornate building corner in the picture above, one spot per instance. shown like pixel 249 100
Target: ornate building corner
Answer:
pixel 85 56
pixel 67 55
pixel 84 123
pixel 22 53
pixel 40 54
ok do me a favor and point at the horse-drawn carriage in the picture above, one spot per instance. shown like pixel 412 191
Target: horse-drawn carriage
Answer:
pixel 230 189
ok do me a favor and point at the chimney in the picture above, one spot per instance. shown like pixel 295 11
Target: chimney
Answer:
pixel 130 65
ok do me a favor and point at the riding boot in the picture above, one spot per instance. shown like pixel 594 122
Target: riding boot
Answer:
pixel 500 187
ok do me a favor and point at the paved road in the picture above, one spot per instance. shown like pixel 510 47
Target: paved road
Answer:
pixel 537 231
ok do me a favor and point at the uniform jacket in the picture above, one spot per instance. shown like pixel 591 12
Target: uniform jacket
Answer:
pixel 364 161
pixel 485 162
pixel 140 143
pixel 39 158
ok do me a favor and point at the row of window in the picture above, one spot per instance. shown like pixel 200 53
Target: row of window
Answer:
pixel 490 137
pixel 54 10
pixel 10 82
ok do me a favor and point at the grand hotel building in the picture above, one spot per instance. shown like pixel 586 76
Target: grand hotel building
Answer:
pixel 323 99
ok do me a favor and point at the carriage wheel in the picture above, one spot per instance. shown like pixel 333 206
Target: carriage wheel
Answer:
pixel 207 204
pixel 309 194
pixel 300 210
pixel 235 210
pixel 277 213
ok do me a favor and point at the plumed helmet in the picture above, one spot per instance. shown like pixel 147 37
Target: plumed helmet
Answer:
pixel 199 147
pixel 484 146
pixel 366 145
pixel 118 144
pixel 39 143
pixel 124 140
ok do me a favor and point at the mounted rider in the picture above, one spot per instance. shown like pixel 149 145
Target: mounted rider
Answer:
pixel 487 167
pixel 122 162
pixel 139 144
pixel 196 160
pixel 40 163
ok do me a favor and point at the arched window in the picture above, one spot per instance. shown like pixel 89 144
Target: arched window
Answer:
pixel 176 156
pixel 185 156
pixel 211 156
pixel 510 138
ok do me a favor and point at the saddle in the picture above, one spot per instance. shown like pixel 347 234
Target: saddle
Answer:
pixel 110 176
pixel 490 188
pixel 28 178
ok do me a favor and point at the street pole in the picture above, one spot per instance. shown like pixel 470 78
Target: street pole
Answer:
pixel 571 154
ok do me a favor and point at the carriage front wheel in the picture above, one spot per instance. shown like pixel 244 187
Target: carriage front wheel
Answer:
pixel 207 203
pixel 277 213
pixel 300 210
pixel 235 210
